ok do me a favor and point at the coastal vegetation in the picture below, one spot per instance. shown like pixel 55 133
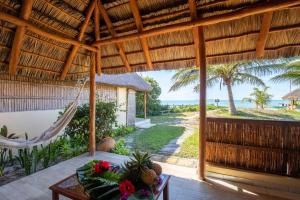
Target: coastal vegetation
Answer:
pixel 260 98
pixel 226 75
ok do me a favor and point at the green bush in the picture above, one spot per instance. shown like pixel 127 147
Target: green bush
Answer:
pixel 122 131
pixel 120 148
pixel 191 108
pixel 105 121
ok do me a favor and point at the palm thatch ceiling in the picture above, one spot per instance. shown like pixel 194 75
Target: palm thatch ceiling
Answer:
pixel 61 39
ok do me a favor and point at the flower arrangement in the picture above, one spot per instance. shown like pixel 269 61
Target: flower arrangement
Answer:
pixel 137 179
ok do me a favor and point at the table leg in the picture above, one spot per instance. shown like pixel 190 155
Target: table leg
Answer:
pixel 166 192
pixel 55 196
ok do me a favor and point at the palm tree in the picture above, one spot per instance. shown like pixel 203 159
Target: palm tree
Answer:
pixel 289 72
pixel 259 97
pixel 226 75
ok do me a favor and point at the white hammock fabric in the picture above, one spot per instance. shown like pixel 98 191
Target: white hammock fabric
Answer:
pixel 51 132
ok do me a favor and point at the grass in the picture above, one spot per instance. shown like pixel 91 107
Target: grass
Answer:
pixel 267 114
pixel 189 148
pixel 154 138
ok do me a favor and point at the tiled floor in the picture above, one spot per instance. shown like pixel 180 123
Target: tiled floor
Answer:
pixel 183 183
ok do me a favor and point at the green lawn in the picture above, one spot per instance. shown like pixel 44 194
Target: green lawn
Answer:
pixel 268 114
pixel 189 148
pixel 154 138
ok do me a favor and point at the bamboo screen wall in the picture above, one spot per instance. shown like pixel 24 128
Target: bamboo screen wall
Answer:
pixel 260 145
pixel 26 96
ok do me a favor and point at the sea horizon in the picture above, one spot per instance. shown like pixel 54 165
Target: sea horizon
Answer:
pixel 223 102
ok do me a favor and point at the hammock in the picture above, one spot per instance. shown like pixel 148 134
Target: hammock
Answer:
pixel 51 132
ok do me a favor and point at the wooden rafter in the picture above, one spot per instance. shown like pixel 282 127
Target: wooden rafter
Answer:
pixel 139 25
pixel 263 34
pixel 74 49
pixel 110 27
pixel 97 37
pixel 257 8
pixel 193 11
pixel 19 37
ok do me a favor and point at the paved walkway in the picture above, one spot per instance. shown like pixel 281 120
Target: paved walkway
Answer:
pixel 183 183
pixel 173 146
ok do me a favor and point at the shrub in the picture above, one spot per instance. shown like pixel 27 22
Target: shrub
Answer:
pixel 120 148
pixel 123 130
pixel 105 121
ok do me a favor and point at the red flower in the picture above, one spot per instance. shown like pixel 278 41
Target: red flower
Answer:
pixel 126 187
pixel 97 168
pixel 104 165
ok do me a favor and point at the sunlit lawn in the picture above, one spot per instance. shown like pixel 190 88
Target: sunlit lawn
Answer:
pixel 189 148
pixel 154 138
pixel 268 114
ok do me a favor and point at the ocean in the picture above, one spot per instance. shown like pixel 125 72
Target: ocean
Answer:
pixel 238 103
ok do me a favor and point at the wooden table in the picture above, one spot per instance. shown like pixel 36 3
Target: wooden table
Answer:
pixel 70 187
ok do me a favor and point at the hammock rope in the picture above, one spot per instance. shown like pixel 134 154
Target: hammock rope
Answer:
pixel 48 134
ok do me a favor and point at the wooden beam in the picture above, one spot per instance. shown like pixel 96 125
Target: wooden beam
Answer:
pixel 139 25
pixel 263 34
pixel 19 37
pixel 257 8
pixel 74 49
pixel 21 22
pixel 202 112
pixel 97 37
pixel 193 11
pixel 145 105
pixel 92 125
pixel 114 34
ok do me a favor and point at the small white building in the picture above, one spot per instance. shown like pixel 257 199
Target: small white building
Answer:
pixel 32 107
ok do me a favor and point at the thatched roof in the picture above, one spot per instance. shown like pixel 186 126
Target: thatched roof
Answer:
pixel 129 80
pixel 293 95
pixel 41 57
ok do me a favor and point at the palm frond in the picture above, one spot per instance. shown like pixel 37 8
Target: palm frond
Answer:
pixel 185 77
pixel 248 78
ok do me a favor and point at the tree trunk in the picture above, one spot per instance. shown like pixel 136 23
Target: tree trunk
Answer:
pixel 232 109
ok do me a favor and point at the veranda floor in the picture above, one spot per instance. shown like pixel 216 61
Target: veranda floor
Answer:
pixel 183 183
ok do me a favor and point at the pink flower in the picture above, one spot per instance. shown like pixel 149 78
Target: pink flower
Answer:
pixel 126 187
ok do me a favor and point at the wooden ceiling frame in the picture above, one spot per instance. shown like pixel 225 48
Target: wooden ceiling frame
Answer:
pixel 74 49
pixel 19 37
pixel 263 34
pixel 255 9
pixel 110 27
pixel 98 60
pixel 139 24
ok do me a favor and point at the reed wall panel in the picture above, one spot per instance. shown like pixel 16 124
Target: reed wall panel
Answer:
pixel 260 145
pixel 27 96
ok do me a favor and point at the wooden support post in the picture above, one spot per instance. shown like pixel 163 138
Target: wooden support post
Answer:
pixel 97 37
pixel 145 105
pixel 18 39
pixel 92 128
pixel 263 34
pixel 202 112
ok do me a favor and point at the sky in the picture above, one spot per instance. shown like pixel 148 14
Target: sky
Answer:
pixel 239 92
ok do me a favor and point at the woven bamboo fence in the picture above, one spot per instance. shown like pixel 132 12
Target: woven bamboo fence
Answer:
pixel 260 145
pixel 27 96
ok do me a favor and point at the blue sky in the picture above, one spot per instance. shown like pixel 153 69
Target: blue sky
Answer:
pixel 164 79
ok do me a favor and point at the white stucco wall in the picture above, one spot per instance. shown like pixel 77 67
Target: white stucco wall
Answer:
pixel 35 122
pixel 31 122
pixel 122 105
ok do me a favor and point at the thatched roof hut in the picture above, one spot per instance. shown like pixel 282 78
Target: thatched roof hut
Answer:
pixel 53 39
pixel 293 95
pixel 129 80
